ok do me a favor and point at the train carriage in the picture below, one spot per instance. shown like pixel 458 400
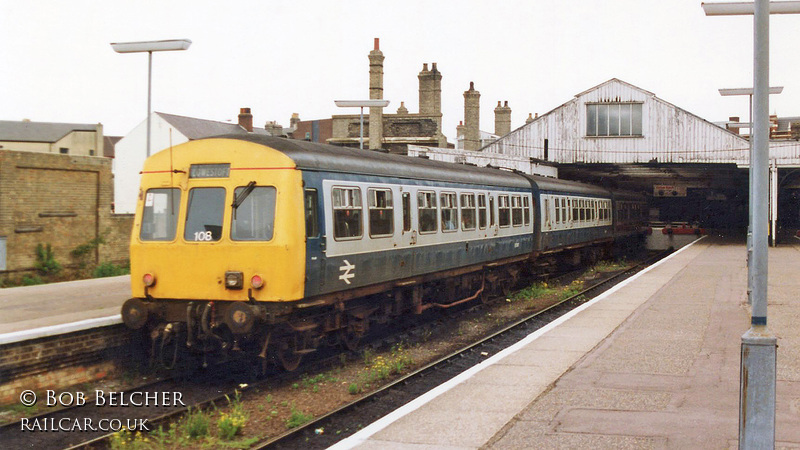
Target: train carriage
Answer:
pixel 273 247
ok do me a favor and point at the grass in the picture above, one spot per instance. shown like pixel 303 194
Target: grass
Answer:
pixel 297 418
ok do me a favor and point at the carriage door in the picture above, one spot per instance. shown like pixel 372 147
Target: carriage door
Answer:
pixel 315 243
pixel 408 218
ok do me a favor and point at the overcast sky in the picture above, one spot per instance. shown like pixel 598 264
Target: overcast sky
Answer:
pixel 282 57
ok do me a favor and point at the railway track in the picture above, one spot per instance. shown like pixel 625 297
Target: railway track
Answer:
pixel 211 389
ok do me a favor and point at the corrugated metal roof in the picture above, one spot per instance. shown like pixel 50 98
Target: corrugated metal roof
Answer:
pixel 23 131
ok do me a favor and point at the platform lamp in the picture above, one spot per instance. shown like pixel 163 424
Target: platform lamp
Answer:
pixel 150 47
pixel 759 346
pixel 375 103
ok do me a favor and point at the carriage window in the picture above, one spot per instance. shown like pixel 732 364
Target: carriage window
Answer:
pixel 426 210
pixel 346 212
pixel 160 214
pixel 492 222
pixel 504 211
pixel 381 213
pixel 449 211
pixel 467 211
pixel 516 210
pixel 575 214
pixel 254 219
pixel 406 211
pixel 558 210
pixel 526 211
pixel 312 219
pixel 204 214
pixel 482 211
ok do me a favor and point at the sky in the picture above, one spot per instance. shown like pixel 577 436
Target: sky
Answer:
pixel 284 57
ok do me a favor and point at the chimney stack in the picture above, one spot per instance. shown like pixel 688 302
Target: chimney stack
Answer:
pixel 472 133
pixel 246 119
pixel 376 93
pixel 502 119
pixel 294 120
pixel 732 128
pixel 425 90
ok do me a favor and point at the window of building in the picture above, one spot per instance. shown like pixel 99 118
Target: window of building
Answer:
pixel 467 211
pixel 159 217
pixel 613 119
pixel 312 218
pixel 346 212
pixel 426 210
pixel 63 151
pixel 254 219
pixel 406 211
pixel 381 213
pixel 482 211
pixel 449 208
pixel 503 210
pixel 204 214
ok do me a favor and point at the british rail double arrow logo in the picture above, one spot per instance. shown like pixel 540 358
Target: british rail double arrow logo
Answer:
pixel 347 268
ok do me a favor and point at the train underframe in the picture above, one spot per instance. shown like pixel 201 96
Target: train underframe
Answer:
pixel 208 332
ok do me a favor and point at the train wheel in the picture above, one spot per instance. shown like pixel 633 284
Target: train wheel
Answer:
pixel 287 354
pixel 350 339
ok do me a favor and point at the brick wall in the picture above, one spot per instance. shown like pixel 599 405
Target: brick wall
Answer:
pixel 62 200
pixel 66 360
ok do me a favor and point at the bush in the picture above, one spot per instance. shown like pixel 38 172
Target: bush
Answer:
pixel 108 269
pixel 46 263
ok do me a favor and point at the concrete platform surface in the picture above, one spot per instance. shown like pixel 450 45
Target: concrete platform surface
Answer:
pixel 653 363
pixel 52 305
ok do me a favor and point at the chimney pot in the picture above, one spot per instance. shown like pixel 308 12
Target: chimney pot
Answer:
pixel 377 44
pixel 506 104
pixel 471 86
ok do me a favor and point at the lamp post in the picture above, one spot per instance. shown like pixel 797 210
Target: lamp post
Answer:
pixel 759 345
pixel 361 104
pixel 749 92
pixel 150 47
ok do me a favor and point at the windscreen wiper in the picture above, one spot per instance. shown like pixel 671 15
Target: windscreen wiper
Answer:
pixel 242 195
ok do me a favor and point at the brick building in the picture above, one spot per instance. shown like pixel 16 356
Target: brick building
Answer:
pixel 58 199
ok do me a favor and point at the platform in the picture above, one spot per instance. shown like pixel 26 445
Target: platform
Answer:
pixel 652 363
pixel 36 311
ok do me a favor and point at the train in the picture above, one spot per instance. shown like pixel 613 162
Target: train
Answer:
pixel 269 248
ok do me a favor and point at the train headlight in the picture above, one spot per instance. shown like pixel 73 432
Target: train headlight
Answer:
pixel 257 282
pixel 234 280
pixel 149 279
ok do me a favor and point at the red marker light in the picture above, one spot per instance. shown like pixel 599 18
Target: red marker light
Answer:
pixel 257 282
pixel 149 279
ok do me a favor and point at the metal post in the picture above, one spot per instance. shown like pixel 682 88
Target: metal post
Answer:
pixel 750 213
pixel 757 383
pixel 149 84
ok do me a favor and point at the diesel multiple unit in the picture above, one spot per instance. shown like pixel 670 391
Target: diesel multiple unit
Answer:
pixel 274 246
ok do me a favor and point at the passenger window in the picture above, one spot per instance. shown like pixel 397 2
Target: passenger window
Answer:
pixel 558 210
pixel 467 211
pixel 526 210
pixel 406 211
pixel 449 211
pixel 346 212
pixel 254 218
pixel 426 210
pixel 516 210
pixel 503 211
pixel 160 214
pixel 204 214
pixel 312 217
pixel 482 211
pixel 492 221
pixel 381 213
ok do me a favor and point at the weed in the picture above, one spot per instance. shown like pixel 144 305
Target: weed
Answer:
pixel 353 389
pixel 108 269
pixel 196 424
pixel 297 418
pixel 46 263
